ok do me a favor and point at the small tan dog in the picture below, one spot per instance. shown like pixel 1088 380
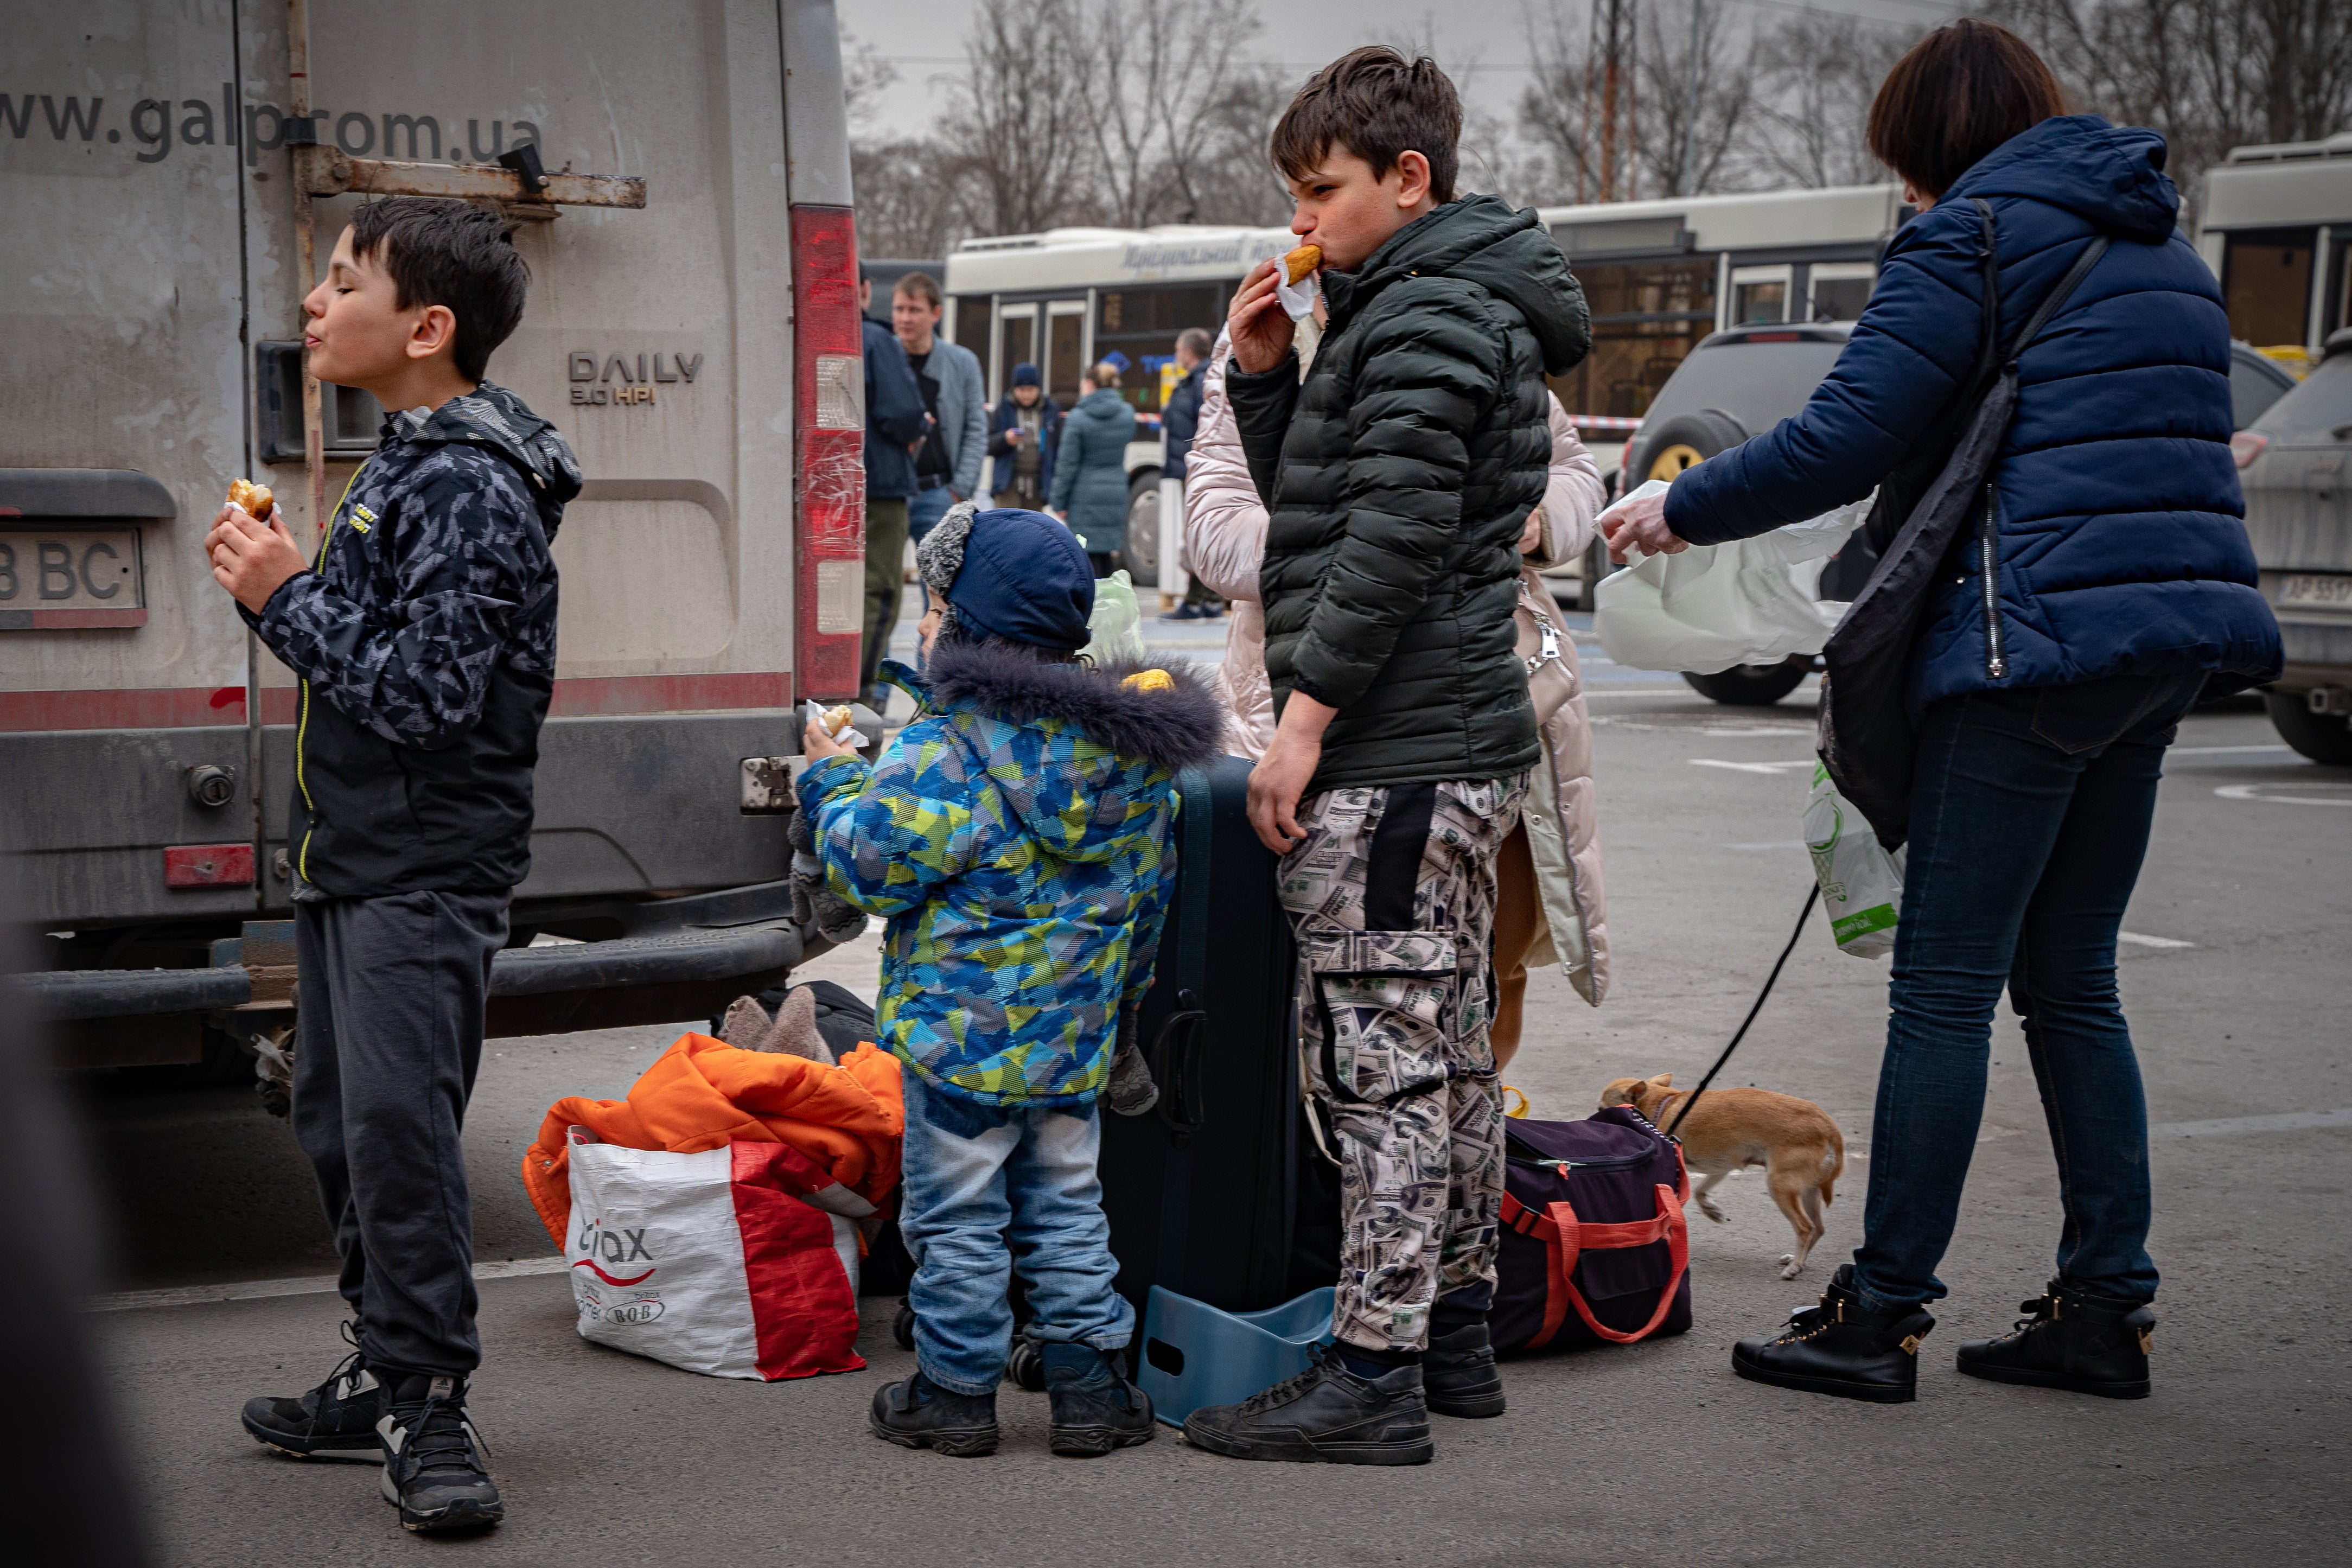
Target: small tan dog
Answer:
pixel 1795 1140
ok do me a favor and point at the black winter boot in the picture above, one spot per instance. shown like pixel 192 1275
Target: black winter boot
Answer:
pixel 2071 1339
pixel 1841 1347
pixel 1095 1408
pixel 1458 1375
pixel 435 1464
pixel 1327 1414
pixel 335 1420
pixel 919 1414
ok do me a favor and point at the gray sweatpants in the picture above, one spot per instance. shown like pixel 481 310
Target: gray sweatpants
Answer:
pixel 388 1036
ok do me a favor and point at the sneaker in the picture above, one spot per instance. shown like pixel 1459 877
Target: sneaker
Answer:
pixel 1327 1414
pixel 1841 1347
pixel 1095 1408
pixel 335 1420
pixel 2070 1339
pixel 1458 1377
pixel 919 1413
pixel 434 1468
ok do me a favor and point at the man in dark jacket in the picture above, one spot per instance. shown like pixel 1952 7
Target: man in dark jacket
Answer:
pixel 1398 478
pixel 424 634
pixel 895 423
pixel 1180 421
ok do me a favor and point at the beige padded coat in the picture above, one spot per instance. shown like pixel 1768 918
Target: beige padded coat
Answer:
pixel 1224 541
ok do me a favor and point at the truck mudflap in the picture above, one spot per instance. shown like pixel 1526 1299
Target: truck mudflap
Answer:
pixel 672 960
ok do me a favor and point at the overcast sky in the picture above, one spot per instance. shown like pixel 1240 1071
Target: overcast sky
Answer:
pixel 924 39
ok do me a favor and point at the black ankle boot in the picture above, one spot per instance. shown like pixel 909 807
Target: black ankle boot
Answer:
pixel 1841 1347
pixel 1095 1408
pixel 2071 1339
pixel 1458 1377
pixel 919 1413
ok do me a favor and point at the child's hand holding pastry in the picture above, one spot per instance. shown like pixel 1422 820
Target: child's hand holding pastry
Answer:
pixel 252 558
pixel 829 735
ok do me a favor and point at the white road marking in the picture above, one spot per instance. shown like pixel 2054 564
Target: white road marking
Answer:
pixel 2138 941
pixel 1752 767
pixel 313 1285
pixel 2254 792
pixel 2286 1121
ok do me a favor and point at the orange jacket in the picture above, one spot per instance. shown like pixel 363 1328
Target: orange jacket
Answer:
pixel 702 1093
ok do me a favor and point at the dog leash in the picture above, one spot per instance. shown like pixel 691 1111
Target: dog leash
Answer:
pixel 1811 893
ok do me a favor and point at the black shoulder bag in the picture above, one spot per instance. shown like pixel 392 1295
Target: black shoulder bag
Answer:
pixel 1866 739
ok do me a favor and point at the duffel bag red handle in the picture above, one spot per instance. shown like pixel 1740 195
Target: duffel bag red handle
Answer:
pixel 1565 1238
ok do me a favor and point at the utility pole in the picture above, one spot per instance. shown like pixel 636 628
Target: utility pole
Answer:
pixel 1687 175
pixel 1610 54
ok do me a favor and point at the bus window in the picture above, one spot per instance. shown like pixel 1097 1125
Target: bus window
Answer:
pixel 1066 348
pixel 1759 296
pixel 1142 324
pixel 1647 315
pixel 2266 284
pixel 1840 291
pixel 971 331
pixel 1020 345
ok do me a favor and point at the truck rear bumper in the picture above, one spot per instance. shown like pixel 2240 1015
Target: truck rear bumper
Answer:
pixel 680 959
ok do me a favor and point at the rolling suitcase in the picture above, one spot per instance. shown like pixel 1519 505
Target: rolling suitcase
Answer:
pixel 1203 1191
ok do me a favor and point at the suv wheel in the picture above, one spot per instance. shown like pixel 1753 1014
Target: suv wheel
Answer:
pixel 1753 685
pixel 2322 737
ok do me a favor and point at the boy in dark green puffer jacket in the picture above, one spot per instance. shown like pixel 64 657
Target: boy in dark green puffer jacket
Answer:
pixel 1397 477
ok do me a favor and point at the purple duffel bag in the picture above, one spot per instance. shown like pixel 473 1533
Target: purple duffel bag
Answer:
pixel 1594 1246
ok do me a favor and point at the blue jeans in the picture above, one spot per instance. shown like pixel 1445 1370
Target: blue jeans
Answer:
pixel 985 1188
pixel 925 508
pixel 2029 816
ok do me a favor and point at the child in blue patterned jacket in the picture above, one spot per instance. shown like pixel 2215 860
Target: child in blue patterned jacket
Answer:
pixel 1018 834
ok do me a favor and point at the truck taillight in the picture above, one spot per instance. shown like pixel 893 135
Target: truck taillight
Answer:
pixel 829 454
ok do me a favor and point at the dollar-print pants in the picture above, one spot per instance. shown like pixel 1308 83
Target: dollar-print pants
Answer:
pixel 1393 893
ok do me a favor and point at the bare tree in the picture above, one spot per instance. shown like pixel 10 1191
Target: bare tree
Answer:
pixel 1820 73
pixel 1687 152
pixel 1233 178
pixel 1018 133
pixel 1211 71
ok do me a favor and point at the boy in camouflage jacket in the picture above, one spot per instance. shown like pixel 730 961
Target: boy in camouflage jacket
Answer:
pixel 424 633
pixel 1018 834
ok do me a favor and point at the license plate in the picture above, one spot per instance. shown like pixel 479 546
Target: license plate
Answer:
pixel 2316 590
pixel 72 577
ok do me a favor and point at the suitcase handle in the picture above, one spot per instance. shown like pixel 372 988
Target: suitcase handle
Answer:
pixel 1176 1066
pixel 1565 1238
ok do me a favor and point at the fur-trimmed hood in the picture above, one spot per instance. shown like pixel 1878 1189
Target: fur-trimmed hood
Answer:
pixel 1082 753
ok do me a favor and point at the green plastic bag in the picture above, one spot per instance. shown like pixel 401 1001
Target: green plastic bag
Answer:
pixel 1861 884
pixel 1117 624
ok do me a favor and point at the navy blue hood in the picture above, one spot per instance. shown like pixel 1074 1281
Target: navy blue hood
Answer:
pixel 2112 176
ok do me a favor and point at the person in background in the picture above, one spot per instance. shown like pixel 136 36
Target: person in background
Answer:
pixel 894 424
pixel 955 436
pixel 2041 704
pixel 1028 423
pixel 1090 489
pixel 1180 419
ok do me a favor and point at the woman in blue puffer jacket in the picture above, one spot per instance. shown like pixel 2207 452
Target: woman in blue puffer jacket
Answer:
pixel 2123 581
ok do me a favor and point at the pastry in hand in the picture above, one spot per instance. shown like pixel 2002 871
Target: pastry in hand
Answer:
pixel 1300 262
pixel 834 719
pixel 255 499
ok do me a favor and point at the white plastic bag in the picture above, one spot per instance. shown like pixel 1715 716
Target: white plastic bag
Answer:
pixel 1716 605
pixel 1117 624
pixel 734 1262
pixel 1861 884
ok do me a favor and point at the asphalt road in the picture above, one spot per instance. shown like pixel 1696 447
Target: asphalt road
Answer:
pixel 1652 1454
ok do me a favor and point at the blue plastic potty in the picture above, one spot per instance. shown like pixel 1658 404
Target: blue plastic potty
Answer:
pixel 1194 1355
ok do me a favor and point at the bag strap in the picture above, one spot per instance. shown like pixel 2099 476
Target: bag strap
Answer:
pixel 1565 1238
pixel 2056 297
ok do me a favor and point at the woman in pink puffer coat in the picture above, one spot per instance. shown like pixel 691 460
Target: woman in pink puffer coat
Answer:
pixel 1551 908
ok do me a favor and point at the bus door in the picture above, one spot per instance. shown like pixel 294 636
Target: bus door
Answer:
pixel 1065 359
pixel 1017 342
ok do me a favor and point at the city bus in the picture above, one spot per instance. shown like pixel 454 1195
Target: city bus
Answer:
pixel 1659 276
pixel 2274 223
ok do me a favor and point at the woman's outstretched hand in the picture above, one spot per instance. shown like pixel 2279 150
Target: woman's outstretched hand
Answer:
pixel 1641 525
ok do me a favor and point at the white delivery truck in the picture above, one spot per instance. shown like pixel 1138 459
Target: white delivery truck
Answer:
pixel 174 173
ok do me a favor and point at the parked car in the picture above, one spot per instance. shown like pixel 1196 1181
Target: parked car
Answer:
pixel 2256 381
pixel 2293 459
